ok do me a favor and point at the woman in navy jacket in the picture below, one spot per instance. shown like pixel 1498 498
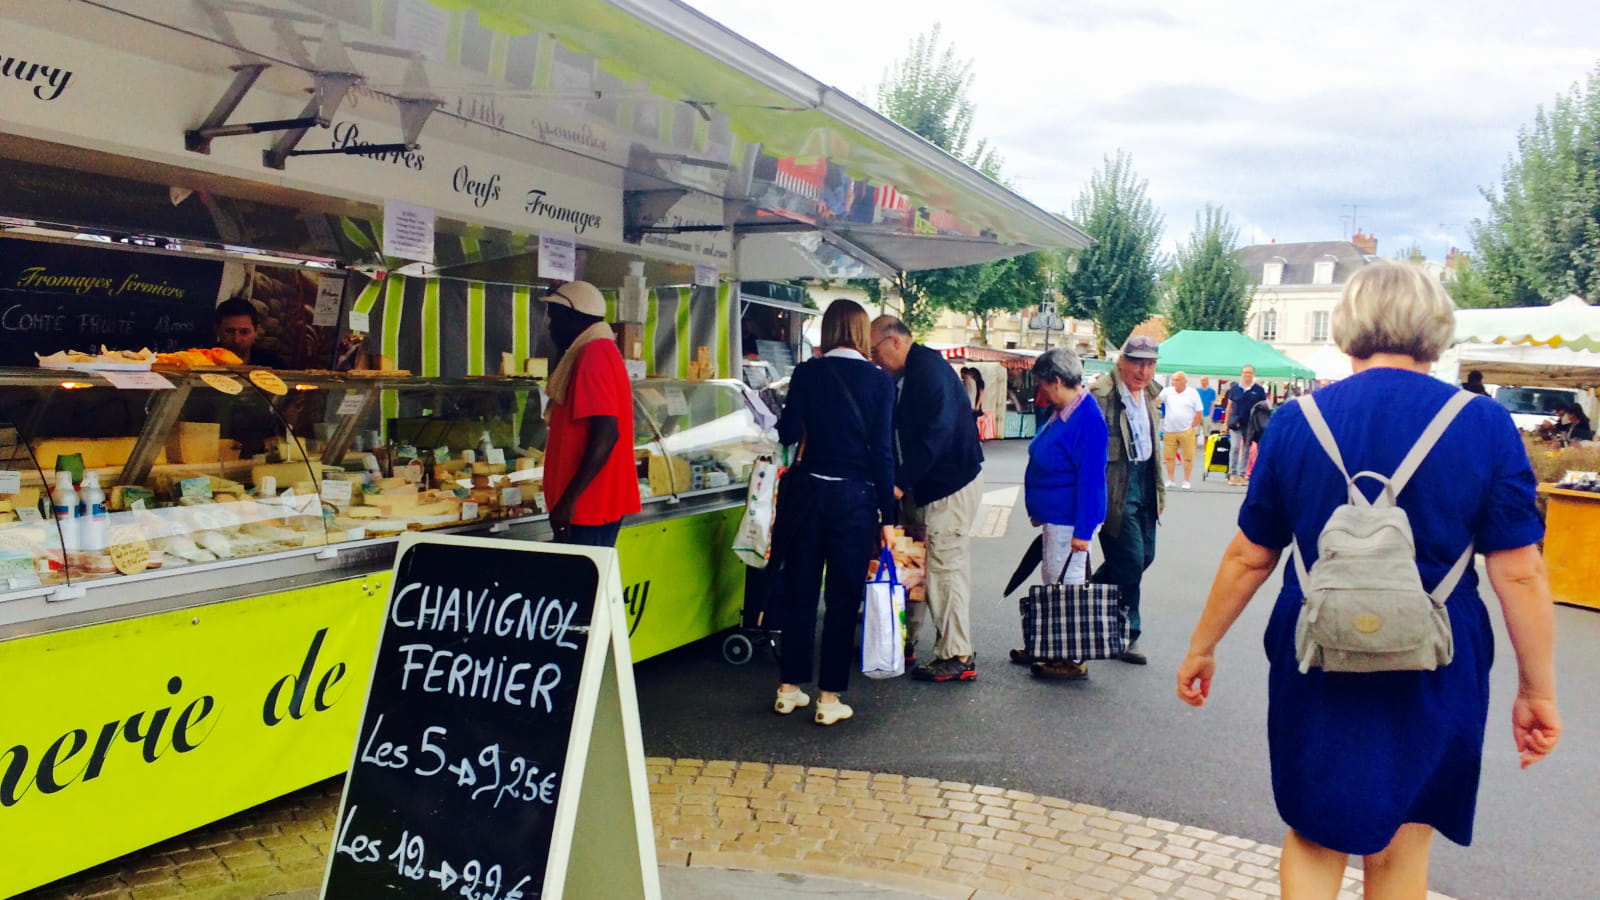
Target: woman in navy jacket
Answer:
pixel 1065 485
pixel 834 506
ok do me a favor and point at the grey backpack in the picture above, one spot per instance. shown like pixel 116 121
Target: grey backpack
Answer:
pixel 1365 609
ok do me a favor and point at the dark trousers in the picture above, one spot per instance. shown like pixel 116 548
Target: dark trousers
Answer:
pixel 594 535
pixel 826 525
pixel 1133 548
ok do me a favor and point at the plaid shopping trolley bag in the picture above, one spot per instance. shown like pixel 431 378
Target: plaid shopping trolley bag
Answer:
pixel 1074 621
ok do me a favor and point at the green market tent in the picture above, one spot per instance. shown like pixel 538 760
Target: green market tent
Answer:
pixel 1224 353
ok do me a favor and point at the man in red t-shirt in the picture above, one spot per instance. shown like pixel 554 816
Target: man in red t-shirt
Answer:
pixel 590 481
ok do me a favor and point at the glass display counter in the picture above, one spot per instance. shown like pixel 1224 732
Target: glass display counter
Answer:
pixel 218 469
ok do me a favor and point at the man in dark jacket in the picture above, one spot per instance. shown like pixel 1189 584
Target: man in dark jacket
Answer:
pixel 1135 494
pixel 939 479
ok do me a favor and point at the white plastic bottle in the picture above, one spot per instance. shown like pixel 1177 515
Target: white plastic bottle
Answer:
pixel 92 500
pixel 64 506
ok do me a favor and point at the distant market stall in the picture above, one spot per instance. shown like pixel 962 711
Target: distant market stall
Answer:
pixel 1224 353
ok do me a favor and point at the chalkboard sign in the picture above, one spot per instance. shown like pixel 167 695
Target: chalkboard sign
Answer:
pixel 496 732
pixel 59 297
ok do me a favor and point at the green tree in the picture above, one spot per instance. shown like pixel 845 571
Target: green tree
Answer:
pixel 1005 286
pixel 1210 291
pixel 1469 288
pixel 1115 279
pixel 1541 239
pixel 927 93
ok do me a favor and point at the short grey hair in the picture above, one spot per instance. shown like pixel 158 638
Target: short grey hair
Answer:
pixel 1059 364
pixel 1393 306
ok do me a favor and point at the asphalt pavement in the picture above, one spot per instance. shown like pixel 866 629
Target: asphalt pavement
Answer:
pixel 1122 740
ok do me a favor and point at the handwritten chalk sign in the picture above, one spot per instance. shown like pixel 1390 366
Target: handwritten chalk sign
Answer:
pixel 499 755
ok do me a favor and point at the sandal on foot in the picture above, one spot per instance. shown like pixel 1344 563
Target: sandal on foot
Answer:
pixel 789 701
pixel 829 713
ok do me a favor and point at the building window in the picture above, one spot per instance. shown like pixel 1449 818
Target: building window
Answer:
pixel 1269 325
pixel 1272 271
pixel 1323 273
pixel 1319 326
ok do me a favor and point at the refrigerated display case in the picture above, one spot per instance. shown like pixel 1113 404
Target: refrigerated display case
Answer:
pixel 218 488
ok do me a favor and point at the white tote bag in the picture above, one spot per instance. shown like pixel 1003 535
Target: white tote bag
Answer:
pixel 752 543
pixel 883 625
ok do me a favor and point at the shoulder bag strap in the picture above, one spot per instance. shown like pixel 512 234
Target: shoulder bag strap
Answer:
pixel 850 398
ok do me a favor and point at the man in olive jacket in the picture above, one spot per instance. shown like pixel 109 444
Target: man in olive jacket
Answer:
pixel 1135 496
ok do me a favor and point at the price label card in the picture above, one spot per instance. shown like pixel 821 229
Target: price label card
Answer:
pixel 336 491
pixel 558 257
pixel 360 321
pixel 227 384
pixel 29 514
pixel 469 511
pixel 10 481
pixel 511 496
pixel 496 456
pixel 330 292
pixel 408 231
pixel 351 404
pixel 677 403
pixel 705 276
pixel 137 381
pixel 268 381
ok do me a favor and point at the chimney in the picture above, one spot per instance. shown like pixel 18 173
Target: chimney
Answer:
pixel 1366 243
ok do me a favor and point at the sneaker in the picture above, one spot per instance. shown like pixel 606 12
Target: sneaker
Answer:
pixel 829 713
pixel 789 701
pixel 1186 485
pixel 911 654
pixel 1133 655
pixel 948 669
pixel 1060 669
pixel 1170 484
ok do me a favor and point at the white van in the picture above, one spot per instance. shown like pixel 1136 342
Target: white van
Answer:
pixel 1531 407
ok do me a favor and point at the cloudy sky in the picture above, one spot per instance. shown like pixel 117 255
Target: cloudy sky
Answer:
pixel 1287 112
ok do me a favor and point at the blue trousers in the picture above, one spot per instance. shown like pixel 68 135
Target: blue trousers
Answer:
pixel 1133 549
pixel 829 525
pixel 594 535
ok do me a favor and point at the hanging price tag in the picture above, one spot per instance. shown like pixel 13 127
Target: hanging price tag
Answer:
pixel 227 384
pixel 268 381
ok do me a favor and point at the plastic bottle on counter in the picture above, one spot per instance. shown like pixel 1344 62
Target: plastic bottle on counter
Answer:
pixel 64 506
pixel 92 525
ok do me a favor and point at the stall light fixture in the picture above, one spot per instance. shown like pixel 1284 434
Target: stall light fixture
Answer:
pixel 305 387
pixel 74 385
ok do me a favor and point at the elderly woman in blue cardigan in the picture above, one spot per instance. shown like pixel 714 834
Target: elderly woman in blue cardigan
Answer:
pixel 1065 485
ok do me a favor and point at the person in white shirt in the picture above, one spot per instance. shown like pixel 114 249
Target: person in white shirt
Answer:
pixel 1182 417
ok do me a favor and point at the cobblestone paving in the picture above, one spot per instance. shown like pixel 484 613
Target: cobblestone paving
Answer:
pixel 943 839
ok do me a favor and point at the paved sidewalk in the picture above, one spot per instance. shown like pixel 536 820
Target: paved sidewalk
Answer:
pixel 732 829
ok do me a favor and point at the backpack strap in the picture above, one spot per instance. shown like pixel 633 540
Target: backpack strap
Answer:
pixel 1425 442
pixel 1324 435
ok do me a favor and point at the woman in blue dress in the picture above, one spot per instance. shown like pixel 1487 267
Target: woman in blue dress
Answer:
pixel 1372 764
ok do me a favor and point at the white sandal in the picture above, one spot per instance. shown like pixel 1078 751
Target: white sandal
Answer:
pixel 789 701
pixel 829 713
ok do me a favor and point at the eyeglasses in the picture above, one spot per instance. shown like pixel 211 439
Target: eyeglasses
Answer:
pixel 880 343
